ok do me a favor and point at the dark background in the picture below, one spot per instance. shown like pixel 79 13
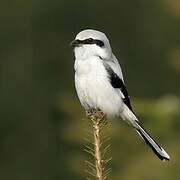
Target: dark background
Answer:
pixel 41 121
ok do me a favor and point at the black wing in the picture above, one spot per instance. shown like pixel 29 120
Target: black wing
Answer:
pixel 117 82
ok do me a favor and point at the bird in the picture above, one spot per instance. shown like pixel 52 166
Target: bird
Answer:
pixel 100 84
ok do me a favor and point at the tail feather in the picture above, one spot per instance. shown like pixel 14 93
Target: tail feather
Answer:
pixel 158 150
pixel 130 118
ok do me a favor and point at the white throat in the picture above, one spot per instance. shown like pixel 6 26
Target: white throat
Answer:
pixel 88 51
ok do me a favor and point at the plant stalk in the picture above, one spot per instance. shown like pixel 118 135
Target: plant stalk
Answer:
pixel 97 150
pixel 98 124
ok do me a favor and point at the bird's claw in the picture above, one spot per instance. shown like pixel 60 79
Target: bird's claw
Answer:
pixel 95 113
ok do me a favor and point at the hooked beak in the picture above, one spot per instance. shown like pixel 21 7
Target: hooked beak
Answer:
pixel 75 43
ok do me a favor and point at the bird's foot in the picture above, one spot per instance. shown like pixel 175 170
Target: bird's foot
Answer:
pixel 90 112
pixel 99 114
pixel 95 113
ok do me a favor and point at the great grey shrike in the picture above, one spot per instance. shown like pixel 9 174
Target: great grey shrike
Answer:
pixel 100 85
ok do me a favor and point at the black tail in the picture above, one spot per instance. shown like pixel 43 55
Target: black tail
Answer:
pixel 158 150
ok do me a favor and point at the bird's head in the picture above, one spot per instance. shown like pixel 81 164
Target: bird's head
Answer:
pixel 89 43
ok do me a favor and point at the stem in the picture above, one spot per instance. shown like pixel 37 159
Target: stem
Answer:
pixel 97 144
pixel 98 124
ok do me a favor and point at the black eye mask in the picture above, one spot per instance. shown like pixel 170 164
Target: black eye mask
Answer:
pixel 88 41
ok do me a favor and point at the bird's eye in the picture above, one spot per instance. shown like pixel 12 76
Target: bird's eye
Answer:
pixel 100 43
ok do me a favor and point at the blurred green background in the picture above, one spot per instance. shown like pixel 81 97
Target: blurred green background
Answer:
pixel 41 121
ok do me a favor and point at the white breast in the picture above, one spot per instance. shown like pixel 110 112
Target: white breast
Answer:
pixel 93 87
